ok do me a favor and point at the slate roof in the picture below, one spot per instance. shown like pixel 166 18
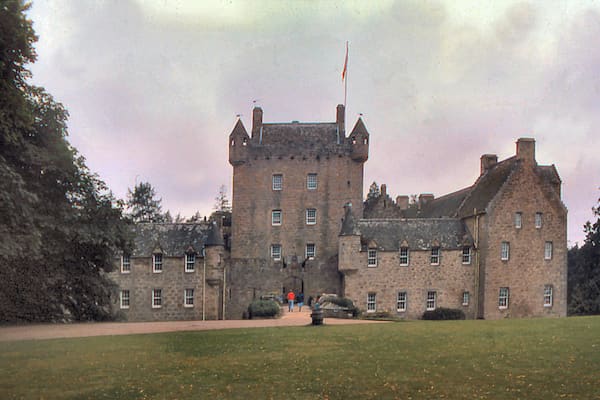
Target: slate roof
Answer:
pixel 299 138
pixel 173 239
pixel 420 234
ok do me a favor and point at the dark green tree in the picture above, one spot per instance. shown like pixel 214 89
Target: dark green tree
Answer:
pixel 60 227
pixel 142 204
pixel 374 191
pixel 221 201
pixel 584 270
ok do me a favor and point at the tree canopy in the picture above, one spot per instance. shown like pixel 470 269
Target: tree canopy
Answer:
pixel 143 206
pixel 584 270
pixel 60 226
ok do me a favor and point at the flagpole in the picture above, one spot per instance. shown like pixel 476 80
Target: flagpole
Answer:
pixel 346 76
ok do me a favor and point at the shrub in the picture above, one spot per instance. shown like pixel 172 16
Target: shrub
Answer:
pixel 443 314
pixel 263 308
pixel 377 315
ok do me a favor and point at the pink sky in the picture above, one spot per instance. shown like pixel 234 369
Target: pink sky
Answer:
pixel 153 88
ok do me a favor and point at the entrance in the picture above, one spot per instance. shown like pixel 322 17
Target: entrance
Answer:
pixel 293 283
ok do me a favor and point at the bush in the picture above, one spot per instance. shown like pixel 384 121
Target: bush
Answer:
pixel 385 315
pixel 444 314
pixel 263 308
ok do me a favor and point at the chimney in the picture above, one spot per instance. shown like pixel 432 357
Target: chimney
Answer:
pixel 424 198
pixel 526 150
pixel 402 202
pixel 487 162
pixel 340 118
pixel 383 189
pixel 257 116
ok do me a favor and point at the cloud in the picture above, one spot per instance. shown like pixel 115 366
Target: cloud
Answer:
pixel 153 88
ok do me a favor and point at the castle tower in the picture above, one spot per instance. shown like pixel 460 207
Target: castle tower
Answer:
pixel 290 182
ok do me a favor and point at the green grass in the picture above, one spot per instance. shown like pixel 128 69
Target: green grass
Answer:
pixel 527 359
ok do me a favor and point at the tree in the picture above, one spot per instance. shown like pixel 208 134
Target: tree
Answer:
pixel 197 217
pixel 60 226
pixel 584 270
pixel 142 204
pixel 222 203
pixel 374 191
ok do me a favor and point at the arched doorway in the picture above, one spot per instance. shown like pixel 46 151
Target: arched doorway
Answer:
pixel 293 283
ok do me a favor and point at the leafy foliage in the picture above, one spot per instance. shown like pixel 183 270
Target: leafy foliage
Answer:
pixel 221 201
pixel 374 191
pixel 59 225
pixel 263 308
pixel 584 271
pixel 143 206
pixel 441 313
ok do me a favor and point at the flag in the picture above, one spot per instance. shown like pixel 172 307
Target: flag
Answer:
pixel 345 64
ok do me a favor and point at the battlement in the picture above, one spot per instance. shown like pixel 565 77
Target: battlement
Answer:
pixel 297 139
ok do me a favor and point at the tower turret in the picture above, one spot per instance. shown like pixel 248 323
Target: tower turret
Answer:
pixel 238 144
pixel 359 140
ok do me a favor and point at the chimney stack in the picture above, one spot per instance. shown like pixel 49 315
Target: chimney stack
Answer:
pixel 402 202
pixel 257 120
pixel 425 198
pixel 340 118
pixel 487 162
pixel 383 190
pixel 526 150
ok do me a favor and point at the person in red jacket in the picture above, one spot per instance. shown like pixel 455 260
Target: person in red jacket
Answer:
pixel 290 298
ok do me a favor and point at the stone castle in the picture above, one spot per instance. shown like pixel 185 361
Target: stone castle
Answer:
pixel 495 249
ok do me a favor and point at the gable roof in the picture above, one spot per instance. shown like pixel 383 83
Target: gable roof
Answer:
pixel 174 240
pixel 420 234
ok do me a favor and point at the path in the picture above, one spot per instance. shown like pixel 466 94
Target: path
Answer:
pixel 54 331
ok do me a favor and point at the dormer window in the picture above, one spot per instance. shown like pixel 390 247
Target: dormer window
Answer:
pixel 372 258
pixel 404 256
pixel 353 139
pixel 466 255
pixel 435 256
pixel 157 263
pixel 244 142
pixel 190 262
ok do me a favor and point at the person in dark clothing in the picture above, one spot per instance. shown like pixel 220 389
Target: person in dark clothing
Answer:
pixel 300 300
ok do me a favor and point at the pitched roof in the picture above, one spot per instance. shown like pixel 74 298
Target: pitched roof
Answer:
pixel 445 206
pixel 174 240
pixel 239 129
pixel 486 187
pixel 286 139
pixel 420 234
pixel 359 128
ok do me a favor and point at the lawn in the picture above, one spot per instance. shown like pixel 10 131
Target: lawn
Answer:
pixel 527 359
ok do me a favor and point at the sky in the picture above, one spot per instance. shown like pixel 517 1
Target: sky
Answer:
pixel 154 87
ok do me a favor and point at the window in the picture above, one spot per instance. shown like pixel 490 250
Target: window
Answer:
pixel 276 252
pixel 503 298
pixel 124 298
pixel 157 260
pixel 311 251
pixel 466 298
pixel 548 251
pixel 188 298
pixel 518 220
pixel 401 302
pixel 276 217
pixel 431 299
pixel 548 296
pixel 372 258
pixel 505 251
pixel 371 302
pixel 190 262
pixel 311 181
pixel 538 220
pixel 277 182
pixel 466 255
pixel 156 298
pixel 125 264
pixel 404 256
pixel 435 256
pixel 311 216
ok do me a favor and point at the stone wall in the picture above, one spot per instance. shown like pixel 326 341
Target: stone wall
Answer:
pixel 449 279
pixel 173 280
pixel 339 180
pixel 526 272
